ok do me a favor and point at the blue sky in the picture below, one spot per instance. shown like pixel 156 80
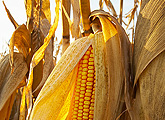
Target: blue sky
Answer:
pixel 17 9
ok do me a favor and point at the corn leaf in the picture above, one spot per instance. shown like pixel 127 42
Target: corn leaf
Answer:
pixel 10 16
pixel 21 38
pixel 149 35
pixel 56 89
pixel 149 61
pixel 10 82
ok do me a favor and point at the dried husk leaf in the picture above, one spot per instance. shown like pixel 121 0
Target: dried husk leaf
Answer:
pixel 22 105
pixel 21 39
pixel 149 61
pixel 9 82
pixel 57 87
pixel 117 47
pixel 10 16
pixel 48 58
pixel 6 110
pixel 110 7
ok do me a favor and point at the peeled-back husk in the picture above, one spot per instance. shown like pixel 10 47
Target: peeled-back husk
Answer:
pixel 53 96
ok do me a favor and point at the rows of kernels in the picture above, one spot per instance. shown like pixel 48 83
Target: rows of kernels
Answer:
pixel 83 104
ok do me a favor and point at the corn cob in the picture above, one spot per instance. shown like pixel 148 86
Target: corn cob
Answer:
pixel 84 93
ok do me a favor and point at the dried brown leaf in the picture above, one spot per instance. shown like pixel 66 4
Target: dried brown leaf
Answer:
pixel 10 82
pixel 110 7
pixel 10 16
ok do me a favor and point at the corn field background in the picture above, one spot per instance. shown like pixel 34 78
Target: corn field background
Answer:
pixel 84 63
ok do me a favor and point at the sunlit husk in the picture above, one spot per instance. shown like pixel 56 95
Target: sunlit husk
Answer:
pixel 117 60
pixel 149 62
pixel 57 87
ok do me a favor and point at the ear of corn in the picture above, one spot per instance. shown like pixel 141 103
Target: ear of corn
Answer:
pixel 82 106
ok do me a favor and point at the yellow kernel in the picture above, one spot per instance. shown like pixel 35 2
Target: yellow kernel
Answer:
pixel 79 76
pixel 75 109
pixel 91 67
pixel 76 105
pixel 81 61
pixel 83 85
pixel 78 83
pixel 75 116
pixel 80 111
pixel 74 112
pixel 86 106
pixel 90 79
pixel 91 71
pixel 84 77
pixel 87 98
pixel 93 92
pixel 89 83
pixel 80 103
pixel 91 59
pixel 89 87
pixel 77 90
pixel 82 88
pixel 83 81
pixel 85 61
pixel 95 77
pixel 81 100
pixel 92 100
pixel 85 113
pixel 80 107
pixel 86 102
pixel 76 98
pixel 84 73
pixel 90 75
pixel 90 63
pixel 86 110
pixel 82 92
pixel 79 118
pixel 86 57
pixel 93 96
pixel 90 116
pixel 74 119
pixel 84 65
pixel 88 53
pixel 85 69
pixel 94 81
pixel 91 112
pixel 79 79
pixel 77 87
pixel 88 94
pixel 79 72
pixel 94 89
pixel 92 104
pixel 85 117
pixel 81 95
pixel 90 48
pixel 88 91
pixel 90 119
pixel 91 55
pixel 92 51
pixel 76 101
pixel 91 108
